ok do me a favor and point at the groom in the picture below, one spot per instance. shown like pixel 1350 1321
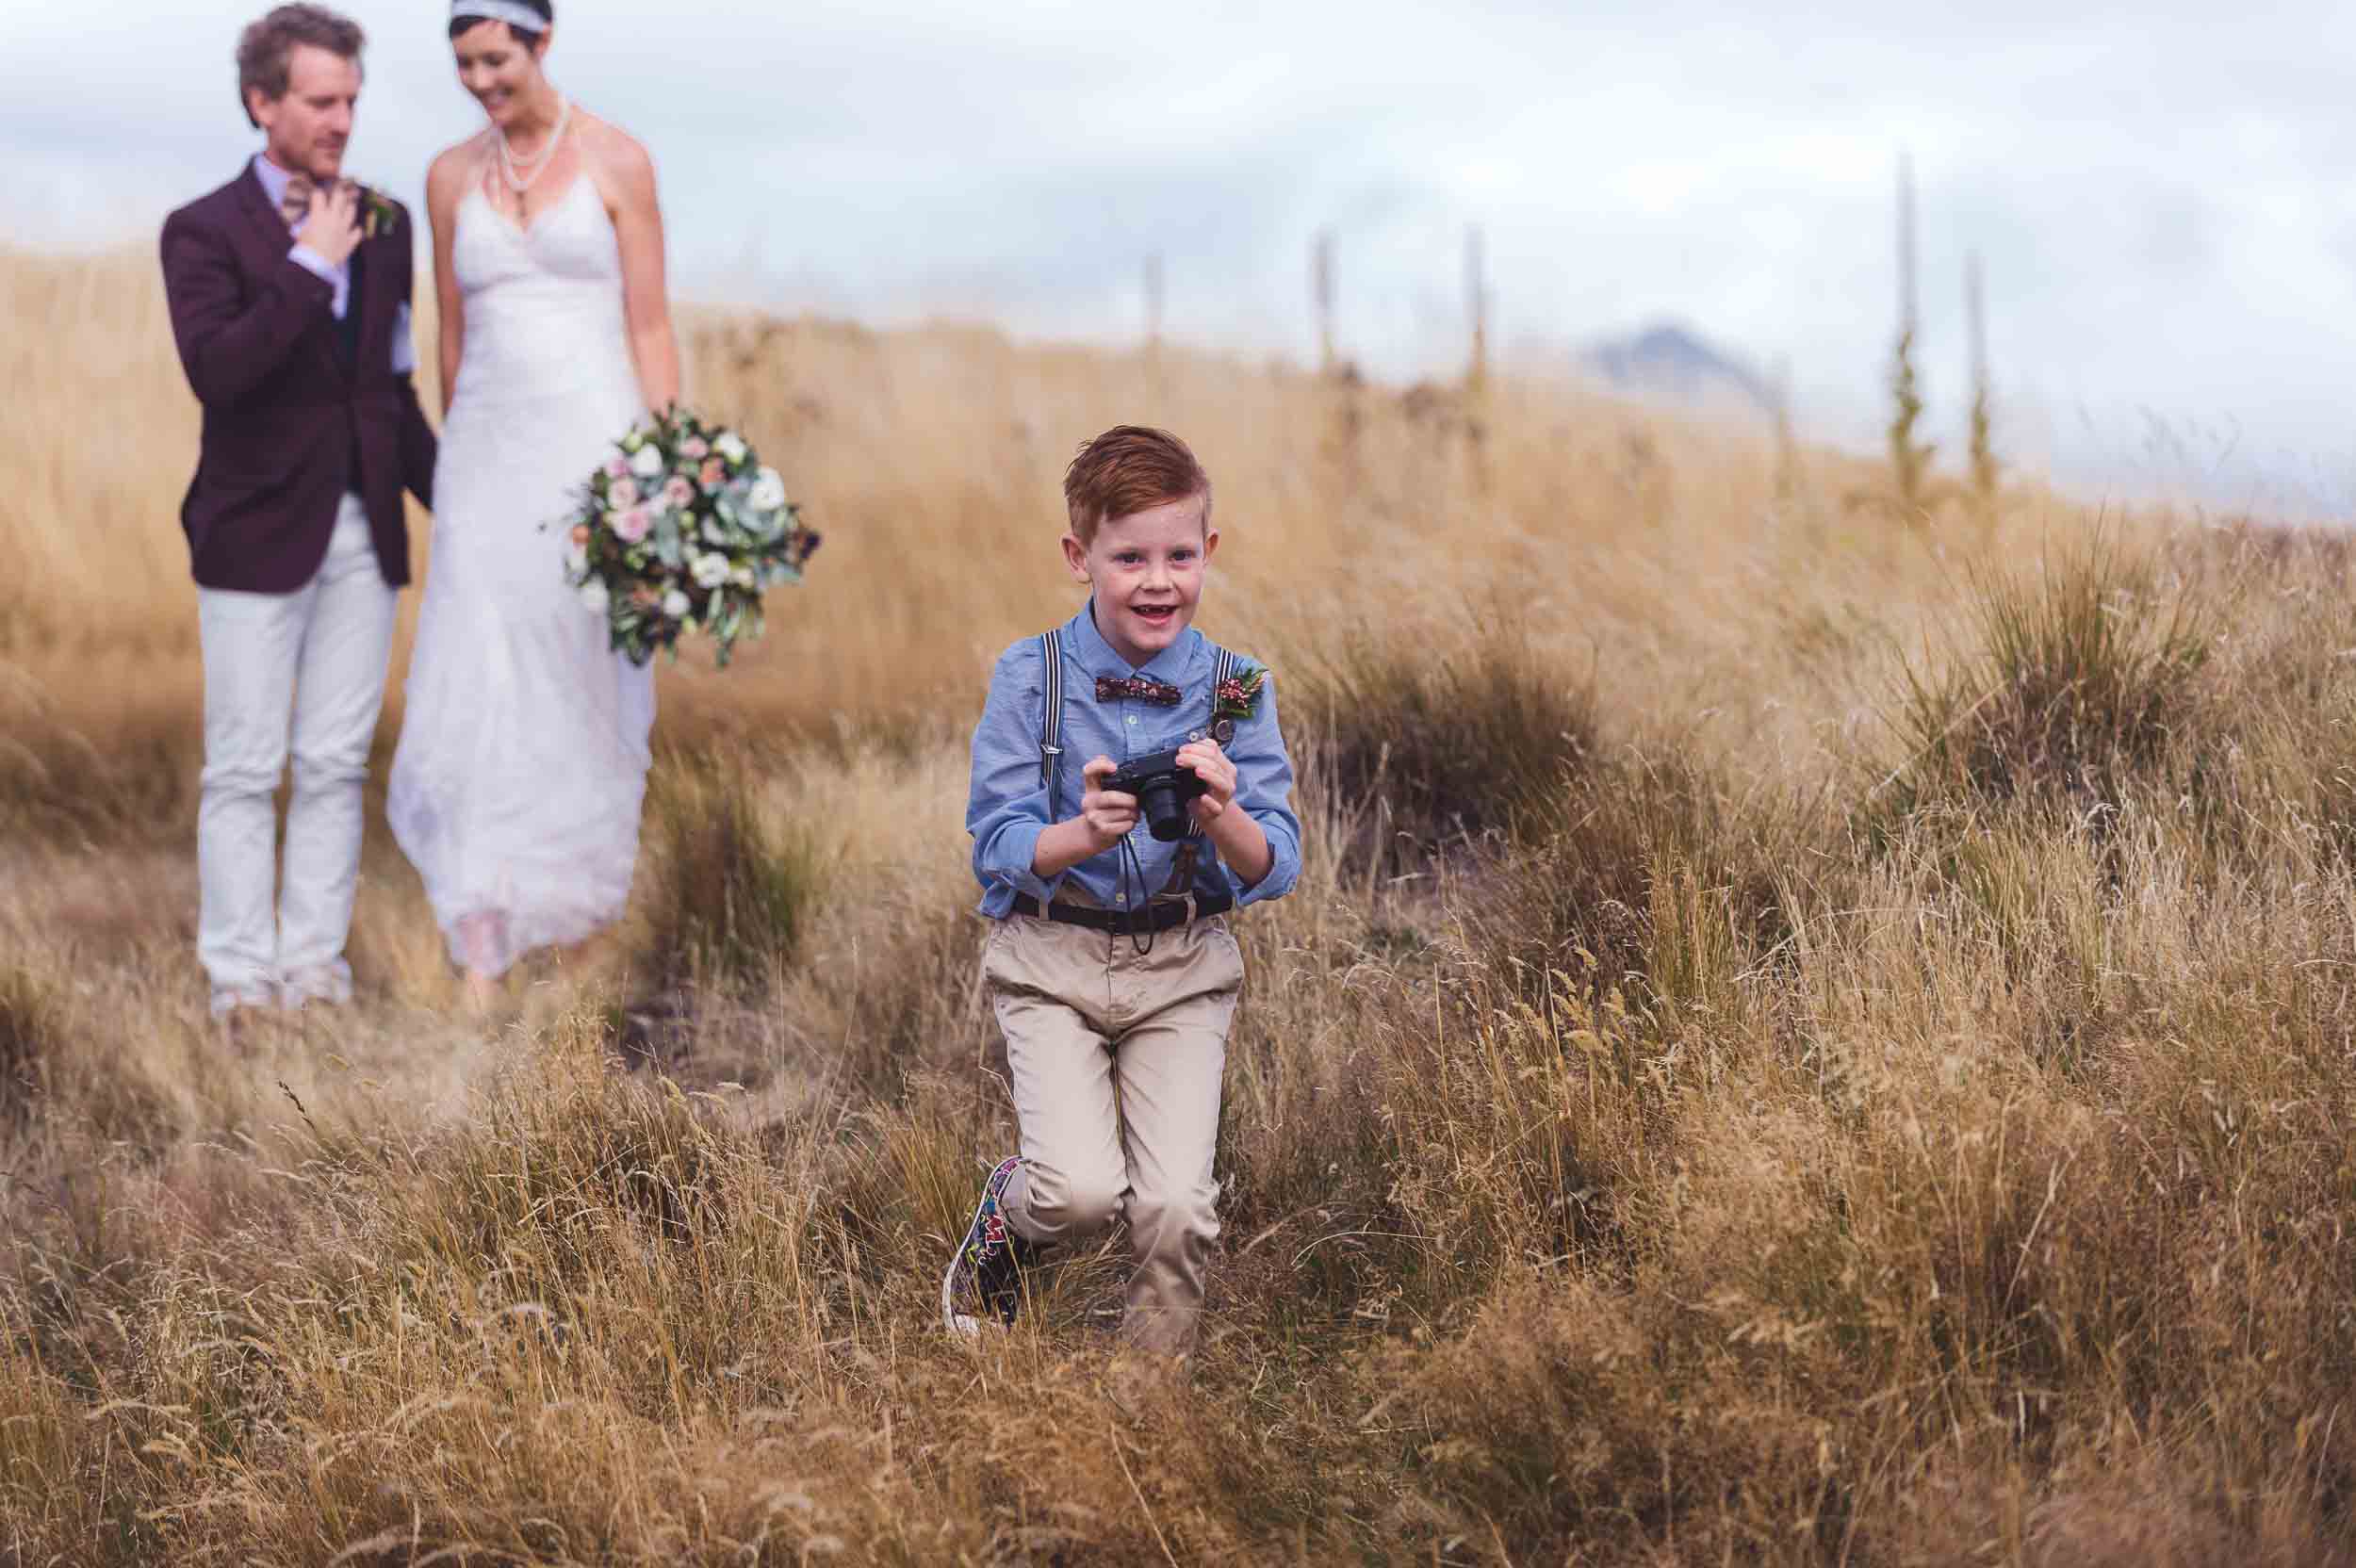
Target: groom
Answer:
pixel 289 296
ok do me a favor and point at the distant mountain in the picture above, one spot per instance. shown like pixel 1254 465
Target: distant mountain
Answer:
pixel 1672 363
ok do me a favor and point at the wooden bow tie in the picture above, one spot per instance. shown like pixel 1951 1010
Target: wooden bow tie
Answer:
pixel 1137 688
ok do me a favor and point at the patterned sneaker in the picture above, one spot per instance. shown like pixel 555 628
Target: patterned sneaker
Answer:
pixel 985 1276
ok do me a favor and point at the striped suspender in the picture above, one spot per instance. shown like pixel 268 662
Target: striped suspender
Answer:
pixel 1051 714
pixel 1219 674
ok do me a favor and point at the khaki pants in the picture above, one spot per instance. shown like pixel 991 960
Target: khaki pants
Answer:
pixel 1116 1060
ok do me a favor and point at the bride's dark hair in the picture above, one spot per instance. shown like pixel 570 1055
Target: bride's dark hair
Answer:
pixel 524 35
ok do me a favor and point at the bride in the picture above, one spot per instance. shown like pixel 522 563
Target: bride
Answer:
pixel 522 763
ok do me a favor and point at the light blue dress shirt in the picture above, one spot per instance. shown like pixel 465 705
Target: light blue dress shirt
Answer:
pixel 274 182
pixel 1006 809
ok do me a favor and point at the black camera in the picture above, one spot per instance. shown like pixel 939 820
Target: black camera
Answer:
pixel 1162 787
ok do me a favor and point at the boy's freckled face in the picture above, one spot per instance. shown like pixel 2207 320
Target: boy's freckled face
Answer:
pixel 1146 570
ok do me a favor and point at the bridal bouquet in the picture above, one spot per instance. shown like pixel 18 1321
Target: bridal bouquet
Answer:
pixel 681 530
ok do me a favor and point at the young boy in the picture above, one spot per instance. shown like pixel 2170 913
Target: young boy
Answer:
pixel 1109 963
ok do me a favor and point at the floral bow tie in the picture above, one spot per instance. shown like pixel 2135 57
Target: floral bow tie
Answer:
pixel 1137 688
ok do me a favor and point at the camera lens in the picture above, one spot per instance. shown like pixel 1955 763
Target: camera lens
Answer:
pixel 1165 814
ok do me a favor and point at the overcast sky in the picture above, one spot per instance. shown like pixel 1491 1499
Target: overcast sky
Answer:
pixel 2161 193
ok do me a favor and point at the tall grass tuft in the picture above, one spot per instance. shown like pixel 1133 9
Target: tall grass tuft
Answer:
pixel 2078 682
pixel 1650 871
pixel 31 1028
pixel 1434 743
pixel 731 890
pixel 123 771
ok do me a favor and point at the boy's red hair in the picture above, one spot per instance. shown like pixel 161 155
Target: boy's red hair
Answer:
pixel 1131 468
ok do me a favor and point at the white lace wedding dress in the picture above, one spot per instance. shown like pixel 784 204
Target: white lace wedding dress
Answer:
pixel 522 763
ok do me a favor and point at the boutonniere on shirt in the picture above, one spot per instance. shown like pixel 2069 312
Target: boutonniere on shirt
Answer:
pixel 1238 695
pixel 378 215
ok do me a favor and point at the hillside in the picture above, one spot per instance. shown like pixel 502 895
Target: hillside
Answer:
pixel 1808 1033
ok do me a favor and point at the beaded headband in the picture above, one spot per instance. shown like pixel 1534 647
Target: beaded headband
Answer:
pixel 509 11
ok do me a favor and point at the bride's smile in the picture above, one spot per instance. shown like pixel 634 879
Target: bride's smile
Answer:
pixel 505 76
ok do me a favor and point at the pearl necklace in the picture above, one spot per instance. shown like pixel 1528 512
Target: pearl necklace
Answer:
pixel 519 173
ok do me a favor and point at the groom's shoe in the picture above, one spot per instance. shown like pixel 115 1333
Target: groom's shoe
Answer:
pixel 231 1001
pixel 242 1025
pixel 319 986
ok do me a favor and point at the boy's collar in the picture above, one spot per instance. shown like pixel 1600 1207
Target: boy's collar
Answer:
pixel 1098 657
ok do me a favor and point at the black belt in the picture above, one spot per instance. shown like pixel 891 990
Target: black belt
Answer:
pixel 1160 915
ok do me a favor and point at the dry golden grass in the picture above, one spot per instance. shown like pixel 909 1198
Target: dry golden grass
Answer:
pixel 1806 1036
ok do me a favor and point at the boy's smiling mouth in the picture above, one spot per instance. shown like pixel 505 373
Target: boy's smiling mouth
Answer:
pixel 1154 614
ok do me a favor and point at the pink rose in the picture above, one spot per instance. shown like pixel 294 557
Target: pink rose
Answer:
pixel 622 491
pixel 616 468
pixel 694 447
pixel 630 527
pixel 679 492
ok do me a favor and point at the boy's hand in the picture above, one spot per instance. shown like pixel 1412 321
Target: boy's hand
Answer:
pixel 1211 765
pixel 1107 814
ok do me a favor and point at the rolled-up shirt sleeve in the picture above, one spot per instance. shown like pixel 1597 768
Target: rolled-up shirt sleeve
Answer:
pixel 1264 788
pixel 1006 807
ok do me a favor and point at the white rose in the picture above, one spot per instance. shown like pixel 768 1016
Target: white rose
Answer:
pixel 676 605
pixel 741 577
pixel 768 492
pixel 730 446
pixel 711 570
pixel 647 462
pixel 595 597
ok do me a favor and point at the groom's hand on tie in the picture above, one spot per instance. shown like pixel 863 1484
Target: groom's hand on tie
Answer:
pixel 332 228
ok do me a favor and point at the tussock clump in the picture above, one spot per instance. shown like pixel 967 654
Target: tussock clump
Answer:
pixel 1438 745
pixel 1519 1139
pixel 913 997
pixel 30 1029
pixel 2077 685
pixel 549 1175
pixel 728 890
pixel 1649 870
pixel 1312 1208
pixel 126 776
pixel 1566 1423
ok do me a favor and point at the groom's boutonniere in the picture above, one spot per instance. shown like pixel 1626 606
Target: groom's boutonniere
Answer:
pixel 378 215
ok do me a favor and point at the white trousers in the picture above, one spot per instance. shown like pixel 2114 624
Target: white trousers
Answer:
pixel 301 672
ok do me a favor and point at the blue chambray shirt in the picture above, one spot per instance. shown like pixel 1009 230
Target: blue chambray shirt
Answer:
pixel 1006 809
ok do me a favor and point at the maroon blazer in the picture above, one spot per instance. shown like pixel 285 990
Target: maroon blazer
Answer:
pixel 293 398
